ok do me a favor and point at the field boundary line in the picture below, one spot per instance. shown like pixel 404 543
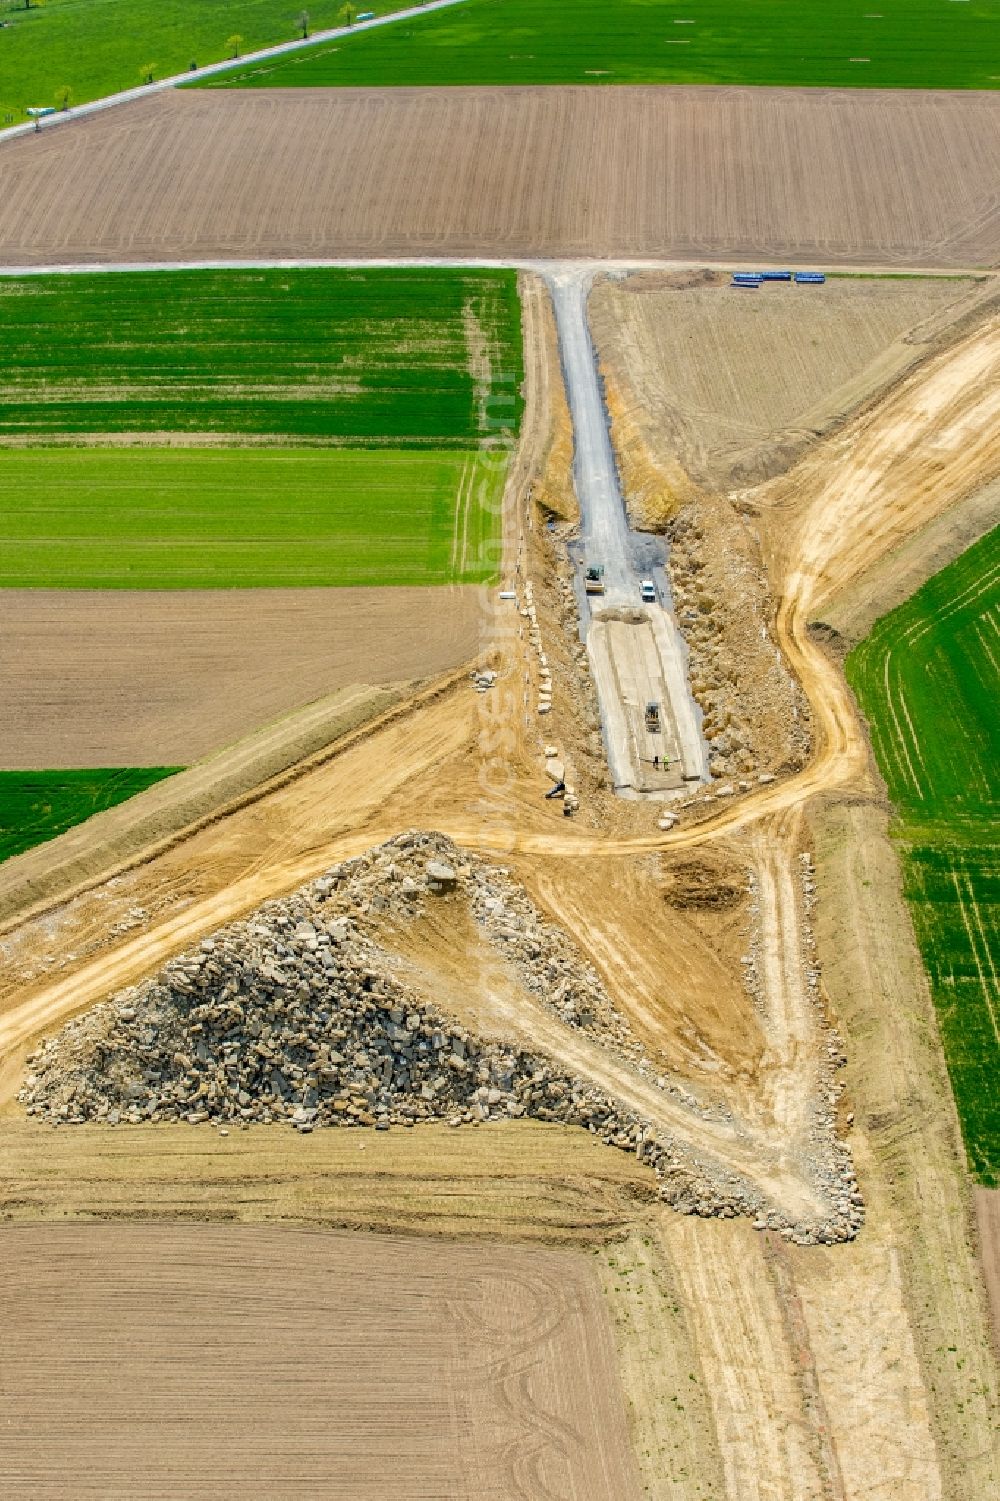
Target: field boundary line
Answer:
pixel 540 264
pixel 279 49
pixel 438 688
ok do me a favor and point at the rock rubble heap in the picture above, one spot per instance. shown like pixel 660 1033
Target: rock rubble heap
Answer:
pixel 296 1015
pixel 300 1015
pixel 755 715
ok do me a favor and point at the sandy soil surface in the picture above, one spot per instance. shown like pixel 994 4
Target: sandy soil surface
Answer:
pixel 898 177
pixel 415 1370
pixel 988 1221
pixel 896 576
pixel 736 386
pixel 861 1372
pixel 523 1182
pixel 108 678
pixel 152 822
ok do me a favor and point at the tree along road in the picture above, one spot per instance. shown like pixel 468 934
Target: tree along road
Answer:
pixel 126 96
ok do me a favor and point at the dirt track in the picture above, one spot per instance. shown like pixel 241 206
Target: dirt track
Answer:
pixel 899 178
pixel 112 678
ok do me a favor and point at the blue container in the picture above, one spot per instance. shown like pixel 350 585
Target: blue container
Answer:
pixel 810 277
pixel 747 278
pixel 776 275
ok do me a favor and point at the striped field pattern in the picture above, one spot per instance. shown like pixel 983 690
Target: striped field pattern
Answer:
pixel 928 680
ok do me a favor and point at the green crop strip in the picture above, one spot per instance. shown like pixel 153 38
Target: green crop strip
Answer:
pixel 883 44
pixel 359 423
pixel 928 681
pixel 38 805
pixel 97 47
pixel 385 357
pixel 188 518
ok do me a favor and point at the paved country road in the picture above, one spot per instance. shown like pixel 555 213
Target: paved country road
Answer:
pixel 605 532
pixel 126 96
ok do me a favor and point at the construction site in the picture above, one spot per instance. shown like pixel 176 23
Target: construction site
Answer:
pixel 500 1064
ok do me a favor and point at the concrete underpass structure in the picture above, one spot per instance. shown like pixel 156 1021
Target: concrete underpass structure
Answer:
pixel 635 648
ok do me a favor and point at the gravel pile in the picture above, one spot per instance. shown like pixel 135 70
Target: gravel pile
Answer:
pixel 296 1015
pixel 756 717
pixel 299 1015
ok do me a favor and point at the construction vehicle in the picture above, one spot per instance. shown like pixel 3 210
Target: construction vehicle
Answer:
pixel 593 579
pixel 647 592
pixel 653 719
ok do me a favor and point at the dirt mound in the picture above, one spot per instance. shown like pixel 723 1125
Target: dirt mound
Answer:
pixel 552 486
pixel 654 482
pixel 704 884
pixel 756 716
pixel 297 1014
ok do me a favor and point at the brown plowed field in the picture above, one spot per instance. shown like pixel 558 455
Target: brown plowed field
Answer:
pixel 207 1361
pixel 107 678
pixel 899 177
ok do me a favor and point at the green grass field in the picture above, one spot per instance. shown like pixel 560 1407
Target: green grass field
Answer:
pixel 38 805
pixel 951 44
pixel 96 47
pixel 388 357
pixel 928 680
pixel 190 518
pixel 360 423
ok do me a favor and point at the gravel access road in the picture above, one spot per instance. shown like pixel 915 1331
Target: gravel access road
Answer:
pixel 657 670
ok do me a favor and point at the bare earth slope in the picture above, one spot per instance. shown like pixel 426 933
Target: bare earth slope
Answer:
pixel 420 1370
pixel 737 385
pixel 101 678
pixel 900 177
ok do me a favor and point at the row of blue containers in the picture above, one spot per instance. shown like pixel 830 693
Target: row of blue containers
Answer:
pixel 754 278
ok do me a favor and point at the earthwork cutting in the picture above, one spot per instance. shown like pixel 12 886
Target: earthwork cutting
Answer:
pixel 401 933
pixel 498 926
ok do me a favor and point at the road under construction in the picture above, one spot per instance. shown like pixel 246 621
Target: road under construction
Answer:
pixel 852 1326
pixel 650 722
